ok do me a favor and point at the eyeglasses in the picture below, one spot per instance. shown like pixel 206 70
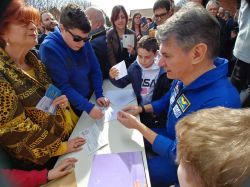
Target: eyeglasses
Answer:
pixel 77 38
pixel 160 15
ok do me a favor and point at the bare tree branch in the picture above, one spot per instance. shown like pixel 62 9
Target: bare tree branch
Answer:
pixel 49 4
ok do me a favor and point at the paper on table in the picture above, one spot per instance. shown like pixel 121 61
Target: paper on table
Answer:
pixel 120 97
pixel 118 169
pixel 121 66
pixel 45 104
pixel 128 39
pixel 94 138
pixel 109 115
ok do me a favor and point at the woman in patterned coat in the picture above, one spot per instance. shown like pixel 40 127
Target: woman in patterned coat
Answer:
pixel 26 133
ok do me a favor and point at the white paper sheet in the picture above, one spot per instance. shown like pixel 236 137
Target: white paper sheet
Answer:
pixel 109 115
pixel 121 97
pixel 121 67
pixel 94 138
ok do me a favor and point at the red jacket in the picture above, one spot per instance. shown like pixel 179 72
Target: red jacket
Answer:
pixel 21 178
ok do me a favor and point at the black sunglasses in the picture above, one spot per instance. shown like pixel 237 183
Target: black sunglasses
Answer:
pixel 160 15
pixel 77 38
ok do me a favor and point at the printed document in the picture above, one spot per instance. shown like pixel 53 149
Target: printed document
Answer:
pixel 45 104
pixel 94 138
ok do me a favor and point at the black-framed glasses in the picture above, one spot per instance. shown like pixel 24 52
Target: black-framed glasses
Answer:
pixel 77 38
pixel 160 15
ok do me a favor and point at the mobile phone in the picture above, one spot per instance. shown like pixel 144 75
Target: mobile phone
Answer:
pixel 151 25
pixel 143 21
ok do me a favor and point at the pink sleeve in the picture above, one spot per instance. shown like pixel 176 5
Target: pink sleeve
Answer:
pixel 23 178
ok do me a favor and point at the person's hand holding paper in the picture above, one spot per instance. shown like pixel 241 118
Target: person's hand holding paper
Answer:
pixel 118 71
pixel 53 97
pixel 96 113
pixel 62 101
pixel 113 72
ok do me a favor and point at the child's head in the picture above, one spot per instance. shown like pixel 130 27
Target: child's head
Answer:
pixel 147 50
pixel 213 148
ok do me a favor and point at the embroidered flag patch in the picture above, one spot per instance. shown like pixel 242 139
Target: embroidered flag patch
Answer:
pixel 183 103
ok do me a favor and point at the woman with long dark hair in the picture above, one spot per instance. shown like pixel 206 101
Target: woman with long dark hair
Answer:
pixel 116 50
pixel 136 25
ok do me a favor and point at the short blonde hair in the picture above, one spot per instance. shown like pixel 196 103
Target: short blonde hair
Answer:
pixel 216 143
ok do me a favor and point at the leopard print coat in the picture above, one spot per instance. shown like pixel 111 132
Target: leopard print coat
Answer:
pixel 26 133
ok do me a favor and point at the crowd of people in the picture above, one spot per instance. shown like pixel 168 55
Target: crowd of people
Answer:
pixel 188 66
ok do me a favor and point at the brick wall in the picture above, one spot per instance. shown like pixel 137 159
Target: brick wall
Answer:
pixel 230 5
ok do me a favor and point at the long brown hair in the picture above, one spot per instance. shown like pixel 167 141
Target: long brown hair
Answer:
pixel 133 21
pixel 115 13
